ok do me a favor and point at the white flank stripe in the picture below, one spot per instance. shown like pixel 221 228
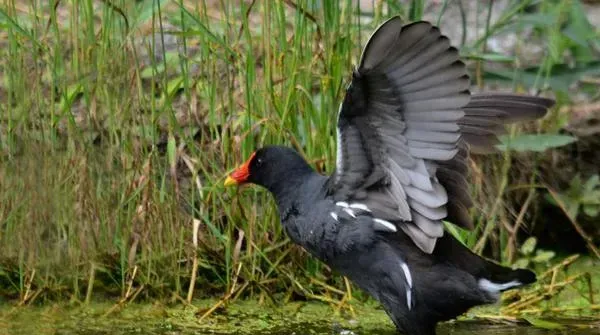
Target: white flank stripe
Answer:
pixel 342 204
pixel 409 299
pixel 496 287
pixel 406 274
pixel 360 206
pixel 350 212
pixel 387 224
pixel 334 216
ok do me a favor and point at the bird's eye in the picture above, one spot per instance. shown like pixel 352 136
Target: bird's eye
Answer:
pixel 259 162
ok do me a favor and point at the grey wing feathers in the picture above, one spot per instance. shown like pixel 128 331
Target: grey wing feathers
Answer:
pixel 485 118
pixel 405 128
pixel 486 114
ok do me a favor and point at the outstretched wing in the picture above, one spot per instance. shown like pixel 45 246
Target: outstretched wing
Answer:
pixel 405 127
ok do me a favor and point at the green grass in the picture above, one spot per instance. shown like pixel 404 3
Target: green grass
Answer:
pixel 112 147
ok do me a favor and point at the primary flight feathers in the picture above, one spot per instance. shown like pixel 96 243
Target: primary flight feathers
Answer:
pixel 406 126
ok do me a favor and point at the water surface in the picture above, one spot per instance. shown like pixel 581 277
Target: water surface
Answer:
pixel 243 319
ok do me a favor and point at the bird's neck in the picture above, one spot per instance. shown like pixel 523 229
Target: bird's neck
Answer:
pixel 287 187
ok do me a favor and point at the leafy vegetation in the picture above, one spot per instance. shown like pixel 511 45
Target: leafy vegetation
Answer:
pixel 530 255
pixel 119 121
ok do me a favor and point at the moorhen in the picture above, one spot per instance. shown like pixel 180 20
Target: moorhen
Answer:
pixel 404 132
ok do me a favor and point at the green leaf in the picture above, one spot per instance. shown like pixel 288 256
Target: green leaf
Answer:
pixel 572 33
pixel 521 263
pixel 145 10
pixel 578 28
pixel 171 58
pixel 580 33
pixel 543 256
pixel 490 57
pixel 591 210
pixel 9 21
pixel 592 183
pixel 460 234
pixel 172 151
pixel 174 85
pixel 544 324
pixel 71 93
pixel 591 197
pixel 528 246
pixel 539 20
pixel 575 187
pixel 534 142
pixel 561 77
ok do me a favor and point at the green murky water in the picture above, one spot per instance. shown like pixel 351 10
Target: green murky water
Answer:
pixel 243 319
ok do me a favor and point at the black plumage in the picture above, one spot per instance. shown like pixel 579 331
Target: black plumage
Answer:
pixel 405 129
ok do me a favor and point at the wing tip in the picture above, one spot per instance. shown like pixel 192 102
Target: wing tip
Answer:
pixel 391 25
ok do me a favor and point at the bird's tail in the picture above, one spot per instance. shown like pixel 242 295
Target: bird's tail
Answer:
pixel 491 277
pixel 497 278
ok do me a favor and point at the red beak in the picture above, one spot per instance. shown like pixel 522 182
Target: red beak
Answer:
pixel 241 174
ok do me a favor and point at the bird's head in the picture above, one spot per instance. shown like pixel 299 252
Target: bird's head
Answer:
pixel 268 167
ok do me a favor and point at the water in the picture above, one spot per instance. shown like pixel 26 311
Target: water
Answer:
pixel 460 328
pixel 240 319
pixel 457 328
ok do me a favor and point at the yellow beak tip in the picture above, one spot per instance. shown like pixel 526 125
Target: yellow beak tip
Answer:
pixel 230 181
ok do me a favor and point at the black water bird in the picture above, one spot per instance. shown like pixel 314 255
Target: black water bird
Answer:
pixel 405 129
